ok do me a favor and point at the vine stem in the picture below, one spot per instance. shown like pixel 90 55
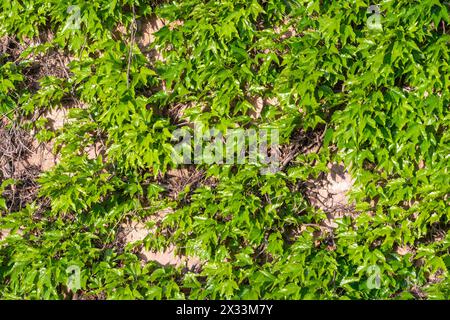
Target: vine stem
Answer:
pixel 130 53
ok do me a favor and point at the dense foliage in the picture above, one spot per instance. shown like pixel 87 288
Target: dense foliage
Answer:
pixel 377 99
